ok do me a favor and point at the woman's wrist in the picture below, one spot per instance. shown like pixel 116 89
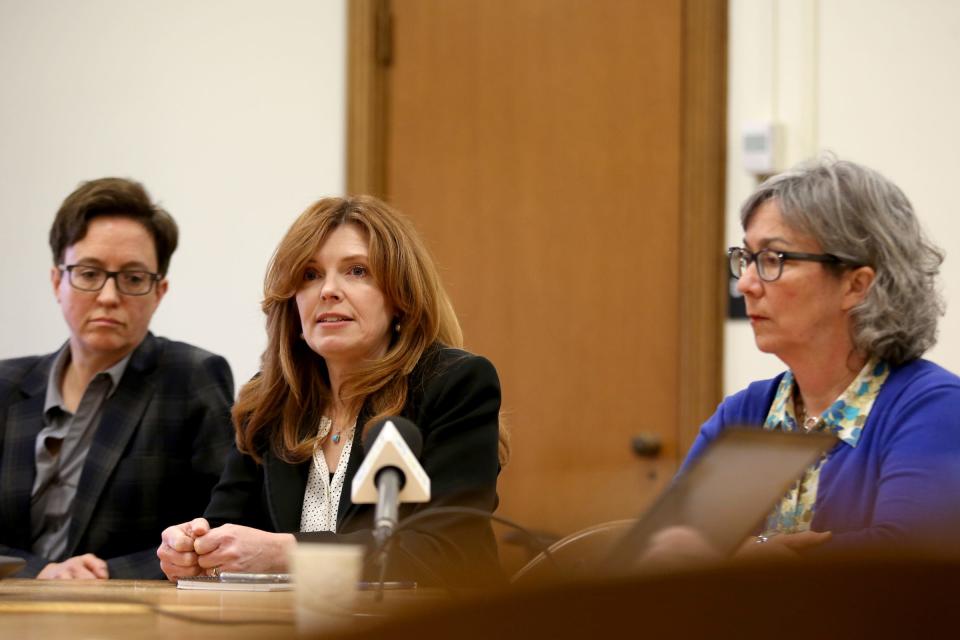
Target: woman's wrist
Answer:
pixel 285 543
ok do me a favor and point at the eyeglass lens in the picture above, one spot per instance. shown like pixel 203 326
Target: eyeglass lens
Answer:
pixel 769 263
pixel 93 279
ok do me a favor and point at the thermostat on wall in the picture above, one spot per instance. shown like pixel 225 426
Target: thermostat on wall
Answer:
pixel 761 147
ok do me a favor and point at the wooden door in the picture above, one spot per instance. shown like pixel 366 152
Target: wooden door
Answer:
pixel 563 159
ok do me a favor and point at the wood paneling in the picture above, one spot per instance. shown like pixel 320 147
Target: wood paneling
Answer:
pixel 367 63
pixel 562 159
pixel 703 270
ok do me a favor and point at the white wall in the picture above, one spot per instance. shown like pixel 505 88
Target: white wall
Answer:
pixel 874 81
pixel 231 112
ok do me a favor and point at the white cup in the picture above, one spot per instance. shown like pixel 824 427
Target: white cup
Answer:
pixel 325 578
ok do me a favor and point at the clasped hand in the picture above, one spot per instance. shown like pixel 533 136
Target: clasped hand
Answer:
pixel 194 548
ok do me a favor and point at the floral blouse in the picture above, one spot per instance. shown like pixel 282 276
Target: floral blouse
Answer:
pixel 844 418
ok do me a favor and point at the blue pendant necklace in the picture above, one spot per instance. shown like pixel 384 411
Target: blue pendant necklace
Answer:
pixel 326 426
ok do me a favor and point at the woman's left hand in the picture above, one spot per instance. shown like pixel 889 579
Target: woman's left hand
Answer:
pixel 676 547
pixel 233 547
pixel 784 545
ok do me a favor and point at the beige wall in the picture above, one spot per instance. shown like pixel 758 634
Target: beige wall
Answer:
pixel 873 81
pixel 231 112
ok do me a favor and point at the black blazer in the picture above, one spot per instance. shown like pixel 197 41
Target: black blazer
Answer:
pixel 159 449
pixel 454 399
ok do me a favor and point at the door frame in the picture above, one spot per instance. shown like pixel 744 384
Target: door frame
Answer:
pixel 703 279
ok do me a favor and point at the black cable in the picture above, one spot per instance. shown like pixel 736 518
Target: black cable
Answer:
pixel 381 556
pixel 382 553
pixel 479 513
pixel 218 621
pixel 435 575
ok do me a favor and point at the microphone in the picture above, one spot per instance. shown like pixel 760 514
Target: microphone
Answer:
pixel 390 473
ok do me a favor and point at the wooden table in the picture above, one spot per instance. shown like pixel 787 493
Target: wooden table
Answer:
pixel 157 609
pixel 897 596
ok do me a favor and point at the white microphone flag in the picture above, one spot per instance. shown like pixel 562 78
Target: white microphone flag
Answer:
pixel 390 450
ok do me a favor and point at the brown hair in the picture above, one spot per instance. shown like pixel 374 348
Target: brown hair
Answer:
pixel 282 405
pixel 118 197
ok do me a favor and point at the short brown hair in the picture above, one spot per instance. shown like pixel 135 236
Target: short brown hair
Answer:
pixel 118 197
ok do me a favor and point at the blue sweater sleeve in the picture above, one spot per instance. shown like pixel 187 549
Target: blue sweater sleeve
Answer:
pixel 746 409
pixel 916 468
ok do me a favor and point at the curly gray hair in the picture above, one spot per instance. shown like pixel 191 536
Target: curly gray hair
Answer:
pixel 855 213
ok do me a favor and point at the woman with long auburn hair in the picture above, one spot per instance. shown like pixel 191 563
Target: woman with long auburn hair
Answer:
pixel 359 328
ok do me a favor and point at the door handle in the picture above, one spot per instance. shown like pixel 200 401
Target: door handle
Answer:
pixel 646 445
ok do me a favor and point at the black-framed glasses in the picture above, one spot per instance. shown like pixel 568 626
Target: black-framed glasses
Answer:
pixel 770 262
pixel 129 282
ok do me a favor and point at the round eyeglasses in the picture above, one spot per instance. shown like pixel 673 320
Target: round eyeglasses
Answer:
pixel 770 263
pixel 132 283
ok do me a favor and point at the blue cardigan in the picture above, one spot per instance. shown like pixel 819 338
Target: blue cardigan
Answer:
pixel 901 483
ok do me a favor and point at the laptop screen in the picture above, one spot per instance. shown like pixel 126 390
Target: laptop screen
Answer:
pixel 728 490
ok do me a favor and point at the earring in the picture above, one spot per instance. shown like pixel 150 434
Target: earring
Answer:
pixel 396 328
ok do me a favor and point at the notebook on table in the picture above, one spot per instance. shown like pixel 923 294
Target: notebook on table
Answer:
pixel 228 581
pixel 231 581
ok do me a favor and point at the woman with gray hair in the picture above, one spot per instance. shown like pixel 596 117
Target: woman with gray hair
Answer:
pixel 839 283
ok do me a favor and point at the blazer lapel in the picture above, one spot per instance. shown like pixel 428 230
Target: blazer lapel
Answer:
pixel 285 486
pixel 122 415
pixel 24 420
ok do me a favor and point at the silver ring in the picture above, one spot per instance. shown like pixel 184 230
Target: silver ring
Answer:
pixel 761 540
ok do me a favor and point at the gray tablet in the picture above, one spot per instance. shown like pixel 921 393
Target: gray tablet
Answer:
pixel 726 493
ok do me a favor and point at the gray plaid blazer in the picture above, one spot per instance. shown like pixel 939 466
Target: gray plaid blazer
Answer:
pixel 155 456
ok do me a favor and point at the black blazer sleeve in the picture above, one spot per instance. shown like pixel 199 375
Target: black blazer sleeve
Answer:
pixel 16 446
pixel 240 497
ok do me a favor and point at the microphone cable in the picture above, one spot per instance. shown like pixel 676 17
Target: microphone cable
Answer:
pixel 382 554
pixel 479 513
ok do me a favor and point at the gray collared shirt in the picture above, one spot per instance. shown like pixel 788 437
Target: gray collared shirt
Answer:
pixel 60 452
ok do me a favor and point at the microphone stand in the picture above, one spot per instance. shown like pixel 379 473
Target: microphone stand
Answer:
pixel 389 483
pixel 387 512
